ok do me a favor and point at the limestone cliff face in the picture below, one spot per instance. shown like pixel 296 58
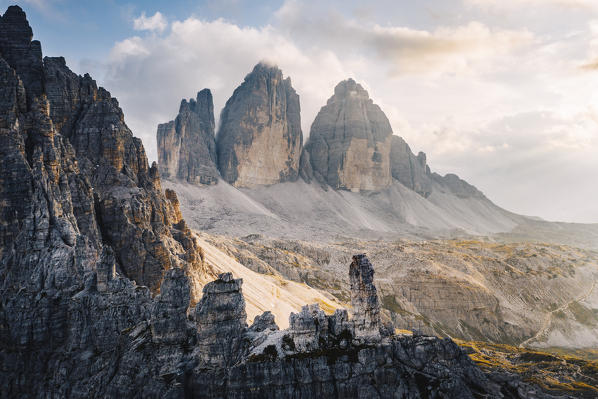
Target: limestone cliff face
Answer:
pixel 409 169
pixel 20 52
pixel 349 142
pixel 129 209
pixel 260 138
pixel 454 184
pixel 413 172
pixel 81 207
pixel 187 145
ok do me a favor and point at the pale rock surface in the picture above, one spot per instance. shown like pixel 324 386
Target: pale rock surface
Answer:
pixel 187 145
pixel 260 140
pixel 350 140
pixel 412 171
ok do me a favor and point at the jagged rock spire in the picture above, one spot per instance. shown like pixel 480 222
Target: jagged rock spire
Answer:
pixel 364 298
pixel 22 53
pixel 221 321
pixel 187 145
pixel 169 311
pixel 260 138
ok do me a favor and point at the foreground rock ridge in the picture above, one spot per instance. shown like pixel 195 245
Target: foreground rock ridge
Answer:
pixel 79 201
pixel 187 145
pixel 157 348
pixel 260 138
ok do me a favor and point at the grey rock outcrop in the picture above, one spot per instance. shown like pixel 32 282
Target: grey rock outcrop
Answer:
pixel 82 212
pixel 364 297
pixel 20 52
pixel 221 322
pixel 187 145
pixel 135 217
pixel 169 311
pixel 308 328
pixel 349 143
pixel 457 186
pixel 260 140
pixel 411 170
pixel 264 322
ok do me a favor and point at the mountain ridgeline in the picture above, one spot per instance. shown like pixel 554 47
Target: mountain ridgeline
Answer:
pixel 351 145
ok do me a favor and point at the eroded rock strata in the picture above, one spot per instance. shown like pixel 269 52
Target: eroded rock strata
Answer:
pixel 349 142
pixel 187 145
pixel 81 210
pixel 260 138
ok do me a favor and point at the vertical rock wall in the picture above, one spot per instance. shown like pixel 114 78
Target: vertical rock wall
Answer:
pixel 364 297
pixel 349 142
pixel 260 138
pixel 409 169
pixel 187 145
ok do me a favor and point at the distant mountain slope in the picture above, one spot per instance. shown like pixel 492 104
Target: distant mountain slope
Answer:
pixel 306 211
pixel 298 210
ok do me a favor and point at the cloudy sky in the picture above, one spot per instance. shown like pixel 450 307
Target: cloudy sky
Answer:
pixel 502 92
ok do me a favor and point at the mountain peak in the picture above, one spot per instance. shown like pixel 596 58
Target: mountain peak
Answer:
pixel 260 140
pixel 265 68
pixel 349 142
pixel 187 145
pixel 350 88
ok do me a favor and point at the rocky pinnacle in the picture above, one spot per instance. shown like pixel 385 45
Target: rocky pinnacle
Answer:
pixel 186 145
pixel 364 298
pixel 349 142
pixel 260 138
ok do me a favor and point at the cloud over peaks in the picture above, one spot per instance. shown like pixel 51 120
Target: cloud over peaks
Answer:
pixel 156 22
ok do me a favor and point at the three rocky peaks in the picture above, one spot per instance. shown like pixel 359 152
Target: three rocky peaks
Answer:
pixel 351 145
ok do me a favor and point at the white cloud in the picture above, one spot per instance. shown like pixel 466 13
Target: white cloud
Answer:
pixel 448 49
pixel 508 109
pixel 574 4
pixel 156 22
pixel 535 163
pixel 131 47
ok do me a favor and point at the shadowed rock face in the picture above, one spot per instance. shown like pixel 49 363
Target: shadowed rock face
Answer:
pixel 260 138
pixel 20 52
pixel 349 142
pixel 364 298
pixel 81 208
pixel 221 322
pixel 409 169
pixel 187 146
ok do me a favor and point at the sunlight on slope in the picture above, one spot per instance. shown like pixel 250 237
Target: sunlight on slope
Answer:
pixel 263 292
